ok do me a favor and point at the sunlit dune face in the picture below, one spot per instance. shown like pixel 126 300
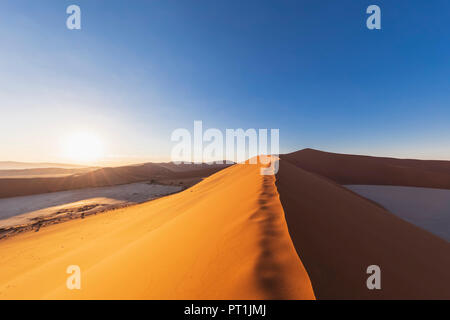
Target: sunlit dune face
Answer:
pixel 83 147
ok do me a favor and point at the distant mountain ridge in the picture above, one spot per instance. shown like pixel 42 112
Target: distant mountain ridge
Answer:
pixel 42 172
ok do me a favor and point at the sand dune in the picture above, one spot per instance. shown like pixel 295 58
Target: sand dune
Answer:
pixel 224 238
pixel 355 169
pixel 238 235
pixel 338 234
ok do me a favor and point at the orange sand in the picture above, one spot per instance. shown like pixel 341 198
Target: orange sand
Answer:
pixel 224 238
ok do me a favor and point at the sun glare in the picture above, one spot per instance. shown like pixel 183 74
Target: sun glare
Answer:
pixel 83 147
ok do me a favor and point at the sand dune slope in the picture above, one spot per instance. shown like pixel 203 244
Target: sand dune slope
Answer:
pixel 224 238
pixel 338 234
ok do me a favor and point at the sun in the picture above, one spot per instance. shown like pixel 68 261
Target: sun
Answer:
pixel 83 147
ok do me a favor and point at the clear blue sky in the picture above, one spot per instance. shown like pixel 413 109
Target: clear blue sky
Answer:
pixel 140 69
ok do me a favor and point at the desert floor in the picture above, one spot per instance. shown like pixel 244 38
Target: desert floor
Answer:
pixel 29 209
pixel 427 208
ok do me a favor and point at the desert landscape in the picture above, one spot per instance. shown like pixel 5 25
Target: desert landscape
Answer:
pixel 224 154
pixel 241 235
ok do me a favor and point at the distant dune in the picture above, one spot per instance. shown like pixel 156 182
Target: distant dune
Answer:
pixel 355 169
pixel 42 172
pixel 12 187
pixel 14 165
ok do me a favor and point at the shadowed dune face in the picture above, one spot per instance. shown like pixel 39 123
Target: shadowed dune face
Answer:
pixel 354 169
pixel 224 238
pixel 338 234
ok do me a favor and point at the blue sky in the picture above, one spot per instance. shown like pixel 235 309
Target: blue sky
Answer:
pixel 137 70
